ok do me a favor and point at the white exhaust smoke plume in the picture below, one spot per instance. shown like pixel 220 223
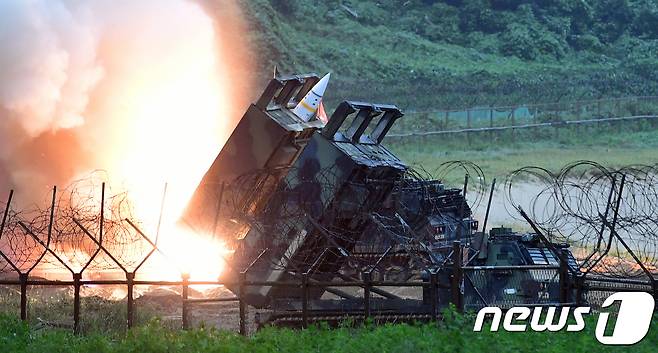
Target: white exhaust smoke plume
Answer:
pixel 140 89
pixel 48 63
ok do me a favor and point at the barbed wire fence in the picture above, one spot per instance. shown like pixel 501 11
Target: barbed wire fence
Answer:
pixel 609 216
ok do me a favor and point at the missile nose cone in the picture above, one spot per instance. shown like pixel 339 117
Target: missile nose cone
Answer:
pixel 321 86
pixel 308 106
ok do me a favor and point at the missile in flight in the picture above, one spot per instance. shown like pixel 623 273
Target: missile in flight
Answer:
pixel 308 106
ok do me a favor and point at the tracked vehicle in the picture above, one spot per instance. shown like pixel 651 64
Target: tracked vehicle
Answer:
pixel 314 203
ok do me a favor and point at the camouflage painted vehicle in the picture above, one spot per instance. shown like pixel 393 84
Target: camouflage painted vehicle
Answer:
pixel 514 269
pixel 417 212
pixel 298 199
pixel 333 183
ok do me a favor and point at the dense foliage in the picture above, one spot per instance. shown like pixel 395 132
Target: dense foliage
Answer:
pixel 523 28
pixel 465 51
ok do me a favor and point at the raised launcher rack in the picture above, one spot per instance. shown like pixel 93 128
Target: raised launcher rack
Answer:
pixel 340 176
pixel 295 200
pixel 268 137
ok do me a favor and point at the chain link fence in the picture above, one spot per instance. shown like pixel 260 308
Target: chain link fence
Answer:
pixel 503 119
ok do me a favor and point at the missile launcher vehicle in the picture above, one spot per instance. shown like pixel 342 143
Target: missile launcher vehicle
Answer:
pixel 301 200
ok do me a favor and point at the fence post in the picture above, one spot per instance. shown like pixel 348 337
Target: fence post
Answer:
pixel 242 303
pixel 579 289
pixel 22 277
pixel 434 294
pixel 76 302
pixel 185 293
pixel 468 126
pixel 456 275
pixel 577 108
pixel 447 115
pixel 367 276
pixel 535 120
pixel 491 119
pixel 513 124
pixel 305 296
pixel 130 278
pixel 564 279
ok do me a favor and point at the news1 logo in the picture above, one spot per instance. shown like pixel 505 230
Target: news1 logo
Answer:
pixel 631 325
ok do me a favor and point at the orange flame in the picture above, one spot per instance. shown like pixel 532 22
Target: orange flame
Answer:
pixel 175 114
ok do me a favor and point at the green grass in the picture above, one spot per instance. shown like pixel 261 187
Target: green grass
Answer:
pixel 52 306
pixel 410 56
pixel 454 334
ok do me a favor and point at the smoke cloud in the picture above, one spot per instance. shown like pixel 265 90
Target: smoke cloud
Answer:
pixel 48 63
pixel 118 86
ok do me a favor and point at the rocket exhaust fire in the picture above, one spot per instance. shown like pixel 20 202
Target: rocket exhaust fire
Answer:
pixel 139 90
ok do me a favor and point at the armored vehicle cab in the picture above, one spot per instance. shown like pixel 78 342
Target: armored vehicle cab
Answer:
pixel 514 269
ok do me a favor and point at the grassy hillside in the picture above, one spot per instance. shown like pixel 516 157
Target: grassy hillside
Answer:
pixel 436 54
pixel 430 53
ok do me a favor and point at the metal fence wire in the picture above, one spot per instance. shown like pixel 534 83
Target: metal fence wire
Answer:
pixel 497 119
pixel 506 287
pixel 597 289
pixel 79 237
